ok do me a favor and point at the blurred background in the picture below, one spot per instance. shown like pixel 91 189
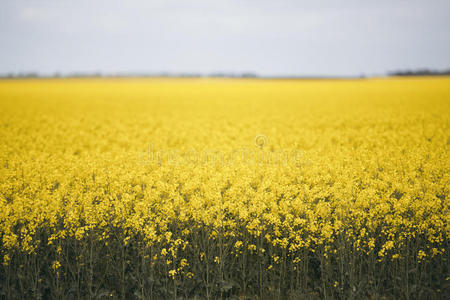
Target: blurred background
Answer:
pixel 223 38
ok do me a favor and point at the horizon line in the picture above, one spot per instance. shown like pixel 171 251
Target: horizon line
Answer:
pixel 248 75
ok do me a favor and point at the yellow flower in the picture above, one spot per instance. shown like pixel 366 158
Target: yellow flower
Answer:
pixel 184 263
pixel 172 273
pixel 56 265
pixel 421 255
pixel 6 260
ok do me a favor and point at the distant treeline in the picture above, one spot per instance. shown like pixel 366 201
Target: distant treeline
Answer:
pixel 131 75
pixel 420 72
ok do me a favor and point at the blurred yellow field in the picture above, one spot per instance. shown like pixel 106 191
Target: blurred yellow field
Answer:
pixel 219 187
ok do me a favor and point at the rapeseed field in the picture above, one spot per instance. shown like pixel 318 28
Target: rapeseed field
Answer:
pixel 219 188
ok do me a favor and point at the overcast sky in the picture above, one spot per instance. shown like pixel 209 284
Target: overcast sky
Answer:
pixel 277 37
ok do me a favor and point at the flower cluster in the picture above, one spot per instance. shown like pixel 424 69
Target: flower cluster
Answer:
pixel 369 193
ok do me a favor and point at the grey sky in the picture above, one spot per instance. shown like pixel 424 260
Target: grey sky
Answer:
pixel 267 37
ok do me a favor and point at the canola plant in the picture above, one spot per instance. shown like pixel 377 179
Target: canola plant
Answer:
pixel 215 188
